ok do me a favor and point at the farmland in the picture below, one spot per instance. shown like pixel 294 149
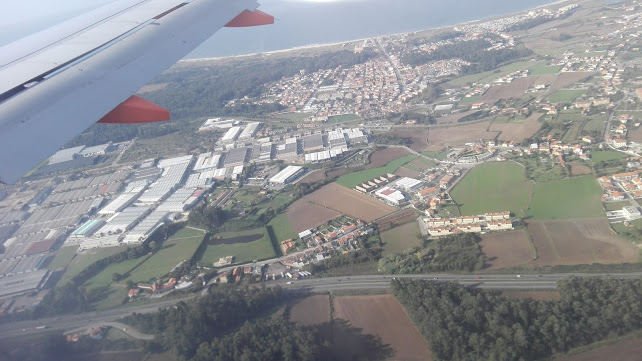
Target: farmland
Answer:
pixel 83 260
pixel 312 310
pixel 507 249
pixel 181 246
pixel 606 155
pixel 578 241
pixel 516 89
pixel 577 197
pixel 401 217
pixel 282 227
pixel 245 246
pixel 418 137
pixel 350 180
pixel 400 238
pixel 568 78
pixel 304 215
pixel 626 350
pixel 578 168
pixel 565 96
pixel 493 187
pixel 383 156
pixel 460 135
pixel 383 316
pixel 517 131
pixel 348 201
pixel 543 69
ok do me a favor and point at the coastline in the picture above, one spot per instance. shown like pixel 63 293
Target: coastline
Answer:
pixel 321 45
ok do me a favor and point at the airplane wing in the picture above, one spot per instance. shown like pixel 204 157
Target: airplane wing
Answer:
pixel 56 83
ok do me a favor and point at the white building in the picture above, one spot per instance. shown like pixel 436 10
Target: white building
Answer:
pixel 287 175
pixel 231 134
pixel 391 196
pixel 409 184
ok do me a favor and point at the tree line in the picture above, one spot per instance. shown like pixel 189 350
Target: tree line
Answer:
pixel 460 252
pixel 472 324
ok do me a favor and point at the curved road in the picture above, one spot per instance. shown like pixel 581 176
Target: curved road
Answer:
pixel 488 281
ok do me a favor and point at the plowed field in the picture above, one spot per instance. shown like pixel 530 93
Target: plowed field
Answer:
pixel 383 316
pixel 507 249
pixel 346 201
pixel 578 241
pixel 311 310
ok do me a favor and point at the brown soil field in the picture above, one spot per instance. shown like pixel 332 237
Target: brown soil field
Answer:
pixel 546 79
pixel 507 249
pixel 403 217
pixel 418 136
pixel 383 316
pixel 518 131
pixel 312 310
pixel 452 119
pixel 347 201
pixel 534 295
pixel 568 78
pixel 579 241
pixel 460 135
pixel 635 135
pixel 314 176
pixel 516 89
pixel 628 350
pixel 304 215
pixel 578 168
pixel 405 172
pixel 382 157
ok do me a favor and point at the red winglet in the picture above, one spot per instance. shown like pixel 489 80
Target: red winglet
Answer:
pixel 135 110
pixel 250 18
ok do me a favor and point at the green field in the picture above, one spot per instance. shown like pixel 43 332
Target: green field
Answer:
pixel 437 155
pixel 242 252
pixel 565 96
pixel 82 261
pixel 401 238
pixel 595 122
pixel 282 228
pixel 606 155
pixel 493 187
pixel 473 99
pixel 572 132
pixel 350 180
pixel 543 69
pixel 577 197
pixel 489 75
pixel 616 206
pixel 63 257
pixel 180 247
pixel 342 118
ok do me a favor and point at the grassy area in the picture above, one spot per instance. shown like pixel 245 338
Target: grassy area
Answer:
pixel 342 118
pixel 437 155
pixel 595 122
pixel 632 232
pixel 606 155
pixel 181 247
pixel 543 69
pixel 63 257
pixel 82 261
pixel 422 163
pixel 565 95
pixel 291 117
pixel 350 180
pixel 474 98
pixel 401 238
pixel 616 206
pixel 282 228
pixel 577 197
pixel 573 115
pixel 489 75
pixel 242 251
pixel 541 172
pixel 493 187
pixel 572 132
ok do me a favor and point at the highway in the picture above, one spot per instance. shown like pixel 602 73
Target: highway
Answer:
pixel 486 281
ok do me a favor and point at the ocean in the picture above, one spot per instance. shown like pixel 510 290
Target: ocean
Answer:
pixel 309 22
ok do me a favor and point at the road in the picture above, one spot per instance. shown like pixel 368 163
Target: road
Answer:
pixel 486 281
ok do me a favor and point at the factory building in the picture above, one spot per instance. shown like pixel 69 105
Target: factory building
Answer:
pixel 323 156
pixel 65 155
pixel 249 130
pixel 287 175
pixel 409 185
pixel 87 229
pixel 356 136
pixel 207 161
pixel 312 142
pixel 231 134
pixel 235 157
pixel 123 221
pixel 391 196
pixel 336 139
pixel 288 149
